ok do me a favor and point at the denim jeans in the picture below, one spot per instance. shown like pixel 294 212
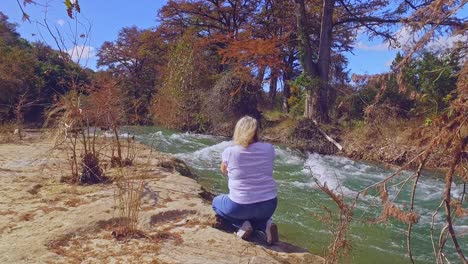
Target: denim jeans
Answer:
pixel 257 213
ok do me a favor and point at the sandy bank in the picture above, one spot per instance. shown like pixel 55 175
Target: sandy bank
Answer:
pixel 45 221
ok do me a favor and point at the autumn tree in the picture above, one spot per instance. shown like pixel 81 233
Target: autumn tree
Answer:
pixel 252 42
pixel 29 72
pixel 8 33
pixel 210 17
pixel 133 60
pixel 179 102
pixel 376 18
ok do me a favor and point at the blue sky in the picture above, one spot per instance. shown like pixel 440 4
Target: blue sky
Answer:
pixel 108 17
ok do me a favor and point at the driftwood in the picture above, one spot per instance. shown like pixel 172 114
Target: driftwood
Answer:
pixel 327 136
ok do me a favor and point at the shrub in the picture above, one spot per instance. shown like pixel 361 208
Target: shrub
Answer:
pixel 187 80
pixel 234 95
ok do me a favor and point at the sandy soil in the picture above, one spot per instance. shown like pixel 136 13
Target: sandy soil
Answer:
pixel 45 221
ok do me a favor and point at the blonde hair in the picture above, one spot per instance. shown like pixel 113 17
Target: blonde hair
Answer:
pixel 246 131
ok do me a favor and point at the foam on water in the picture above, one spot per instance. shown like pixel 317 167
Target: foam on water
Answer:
pixel 212 152
pixel 344 175
pixel 187 139
pixel 206 158
pixel 157 136
pixel 177 143
pixel 109 134
pixel 301 185
pixel 288 156
pixel 318 167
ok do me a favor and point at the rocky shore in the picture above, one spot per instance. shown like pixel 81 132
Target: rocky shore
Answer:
pixel 45 221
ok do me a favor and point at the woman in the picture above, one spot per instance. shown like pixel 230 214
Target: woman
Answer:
pixel 252 197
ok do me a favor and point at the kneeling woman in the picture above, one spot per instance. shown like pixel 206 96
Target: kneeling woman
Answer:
pixel 252 195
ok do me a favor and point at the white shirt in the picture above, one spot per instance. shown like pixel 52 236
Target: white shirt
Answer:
pixel 250 172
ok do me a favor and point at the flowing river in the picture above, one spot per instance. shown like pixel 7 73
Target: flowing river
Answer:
pixel 300 202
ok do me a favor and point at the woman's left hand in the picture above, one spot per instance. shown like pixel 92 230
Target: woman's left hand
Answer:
pixel 224 168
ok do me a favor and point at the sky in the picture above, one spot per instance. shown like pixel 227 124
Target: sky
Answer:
pixel 108 17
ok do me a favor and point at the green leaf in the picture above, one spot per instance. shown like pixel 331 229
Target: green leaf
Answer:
pixel 428 121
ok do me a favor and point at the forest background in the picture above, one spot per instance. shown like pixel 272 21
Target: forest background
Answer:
pixel 209 62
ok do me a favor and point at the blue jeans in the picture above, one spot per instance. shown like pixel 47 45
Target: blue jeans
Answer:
pixel 257 213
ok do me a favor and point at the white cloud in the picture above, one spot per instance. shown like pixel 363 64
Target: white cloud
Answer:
pixel 446 43
pixel 61 22
pixel 362 46
pixel 406 38
pixel 81 52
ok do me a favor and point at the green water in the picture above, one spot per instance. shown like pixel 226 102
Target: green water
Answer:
pixel 300 201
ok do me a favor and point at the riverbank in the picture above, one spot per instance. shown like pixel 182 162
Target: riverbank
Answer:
pixel 393 144
pixel 45 221
pixel 300 213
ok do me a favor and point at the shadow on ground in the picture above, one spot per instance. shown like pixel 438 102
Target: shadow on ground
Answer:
pixel 259 238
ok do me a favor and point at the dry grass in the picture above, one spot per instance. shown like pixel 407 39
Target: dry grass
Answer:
pixel 164 236
pixel 128 197
pixel 26 217
pixel 73 202
pixel 280 132
pixel 47 209
pixel 6 133
pixel 8 212
pixel 96 244
pixel 395 143
pixel 339 224
pixel 7 227
pixel 274 116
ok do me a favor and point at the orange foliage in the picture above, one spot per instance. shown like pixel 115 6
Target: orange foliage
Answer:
pixel 391 210
pixel 252 52
pixel 104 105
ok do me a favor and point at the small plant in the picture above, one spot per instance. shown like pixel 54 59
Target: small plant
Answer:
pixel 72 122
pixel 128 200
pixel 91 171
pixel 19 108
pixel 105 109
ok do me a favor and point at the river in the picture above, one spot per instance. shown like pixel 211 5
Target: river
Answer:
pixel 300 201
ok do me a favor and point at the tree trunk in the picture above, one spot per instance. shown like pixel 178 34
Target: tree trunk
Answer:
pixel 273 86
pixel 325 57
pixel 304 36
pixel 309 68
pixel 287 77
pixel 286 91
pixel 260 76
pixel 316 106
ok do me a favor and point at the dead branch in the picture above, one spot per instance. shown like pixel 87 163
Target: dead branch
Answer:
pixel 337 145
pixel 447 196
pixel 413 192
pixel 340 245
